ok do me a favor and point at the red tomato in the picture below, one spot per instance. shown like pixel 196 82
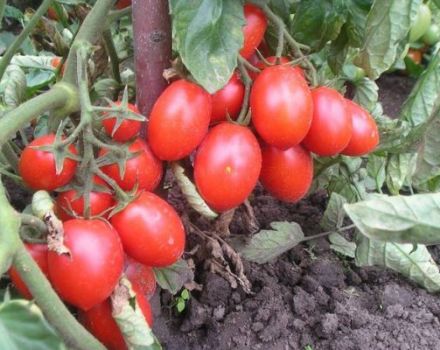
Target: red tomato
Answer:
pixel 227 166
pixel 365 136
pixel 144 169
pixel 52 14
pixel 37 168
pixel 253 31
pixel 69 201
pixel 128 128
pixel 282 106
pixel 331 126
pixel 158 238
pixel 415 56
pixel 39 254
pixel 121 4
pixel 228 100
pixel 288 174
pixel 142 275
pixel 179 120
pixel 88 276
pixel 261 65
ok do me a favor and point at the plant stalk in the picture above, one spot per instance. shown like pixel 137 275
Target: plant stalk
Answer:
pixel 111 51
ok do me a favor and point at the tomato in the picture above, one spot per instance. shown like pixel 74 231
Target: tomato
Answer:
pixel 121 4
pixel 88 276
pixel 228 100
pixel 127 129
pixel 272 60
pixel 282 106
pixel 52 14
pixel 100 322
pixel 179 120
pixel 421 23
pixel 150 230
pixel 365 136
pixel 144 169
pixel 415 56
pixel 142 275
pixel 67 201
pixel 253 31
pixel 39 254
pixel 287 174
pixel 331 125
pixel 227 166
pixel 37 167
pixel 432 35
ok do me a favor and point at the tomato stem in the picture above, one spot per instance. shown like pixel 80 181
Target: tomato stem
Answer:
pixel 114 59
pixel 327 233
pixel 247 92
pixel 30 220
pixel 280 44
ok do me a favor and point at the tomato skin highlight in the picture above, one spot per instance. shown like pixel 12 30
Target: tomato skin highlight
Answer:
pixel 144 169
pixel 128 128
pixel 179 120
pixel 227 166
pixel 39 254
pixel 365 135
pixel 88 276
pixel 282 106
pixel 37 168
pixel 228 100
pixel 331 125
pixel 253 31
pixel 287 174
pixel 142 275
pixel 159 237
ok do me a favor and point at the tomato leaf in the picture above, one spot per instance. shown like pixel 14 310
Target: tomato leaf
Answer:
pixel 172 278
pixel 338 52
pixel 334 214
pixel 199 33
pixel 366 94
pixel 399 168
pixel 376 170
pixel 14 86
pixel 341 245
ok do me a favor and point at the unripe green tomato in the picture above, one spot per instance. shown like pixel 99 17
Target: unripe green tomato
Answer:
pixel 421 24
pixel 353 73
pixel 432 35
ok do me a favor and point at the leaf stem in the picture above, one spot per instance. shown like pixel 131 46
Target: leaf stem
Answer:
pixel 323 234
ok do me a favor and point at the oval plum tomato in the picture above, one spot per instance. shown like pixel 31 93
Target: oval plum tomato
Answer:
pixel 89 274
pixel 179 120
pixel 144 169
pixel 331 125
pixel 39 254
pixel 70 201
pixel 421 23
pixel 415 56
pixel 282 106
pixel 127 130
pixel 142 275
pixel 227 100
pixel 272 60
pixel 287 174
pixel 253 31
pixel 37 167
pixel 365 135
pixel 150 230
pixel 122 4
pixel 227 166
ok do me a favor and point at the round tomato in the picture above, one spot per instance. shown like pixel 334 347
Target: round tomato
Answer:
pixel 253 31
pixel 432 35
pixel 228 100
pixel 158 238
pixel 121 4
pixel 39 254
pixel 127 129
pixel 421 23
pixel 37 167
pixel 282 106
pixel 365 136
pixel 331 125
pixel 179 120
pixel 89 274
pixel 272 60
pixel 415 56
pixel 144 169
pixel 141 275
pixel 287 174
pixel 68 201
pixel 227 166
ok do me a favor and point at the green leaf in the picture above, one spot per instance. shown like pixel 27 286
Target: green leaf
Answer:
pixel 357 19
pixel 338 52
pixel 339 244
pixel 22 326
pixel 387 25
pixel 282 8
pixel 366 94
pixel 208 35
pixel 266 245
pixel 417 265
pixel 376 170
pixel 334 214
pixel 14 85
pixel 399 168
pixel 185 294
pixel 401 219
pixel 13 12
pixel 172 278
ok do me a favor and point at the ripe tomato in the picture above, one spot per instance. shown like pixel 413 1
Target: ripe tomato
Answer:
pixel 56 62
pixel 287 174
pixel 331 125
pixel 273 60
pixel 365 136
pixel 228 100
pixel 282 106
pixel 128 128
pixel 37 168
pixel 142 275
pixel 52 14
pixel 69 201
pixel 150 230
pixel 39 254
pixel 144 169
pixel 253 31
pixel 227 166
pixel 415 56
pixel 179 120
pixel 121 4
pixel 421 23
pixel 88 276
